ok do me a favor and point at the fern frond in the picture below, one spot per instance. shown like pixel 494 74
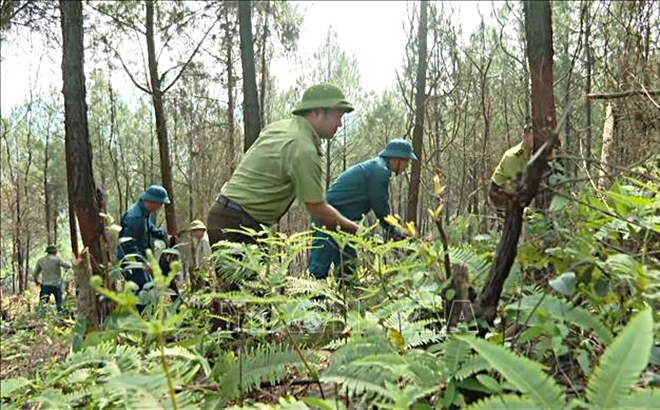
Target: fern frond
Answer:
pixel 297 286
pixel 455 352
pixel 421 337
pixel 476 264
pixel 265 363
pixel 356 385
pixel 472 365
pixel 505 402
pixel 526 375
pixel 647 399
pixel 622 362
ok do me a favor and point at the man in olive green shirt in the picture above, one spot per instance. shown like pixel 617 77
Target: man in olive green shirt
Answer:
pixel 512 163
pixel 283 164
pixel 49 267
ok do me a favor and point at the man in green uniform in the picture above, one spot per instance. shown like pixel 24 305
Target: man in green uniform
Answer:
pixel 283 164
pixel 49 267
pixel 512 163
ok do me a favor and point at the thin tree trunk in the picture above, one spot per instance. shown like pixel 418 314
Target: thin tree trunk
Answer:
pixel 418 129
pixel 608 147
pixel 161 122
pixel 230 94
pixel 251 119
pixel 47 195
pixel 264 65
pixel 80 174
pixel 587 104
pixel 538 31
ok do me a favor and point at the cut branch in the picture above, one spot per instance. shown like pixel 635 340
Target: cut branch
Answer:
pixel 623 94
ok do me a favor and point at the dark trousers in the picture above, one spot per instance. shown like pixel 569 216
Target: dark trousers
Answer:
pixel 226 216
pixel 325 252
pixel 55 290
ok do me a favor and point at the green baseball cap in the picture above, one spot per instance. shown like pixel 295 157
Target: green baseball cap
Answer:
pixel 51 249
pixel 398 148
pixel 322 96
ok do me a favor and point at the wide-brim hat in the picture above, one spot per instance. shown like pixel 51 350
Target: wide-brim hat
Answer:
pixel 196 224
pixel 323 96
pixel 398 148
pixel 155 193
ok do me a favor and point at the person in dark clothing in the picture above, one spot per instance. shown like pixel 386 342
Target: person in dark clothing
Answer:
pixel 139 232
pixel 362 188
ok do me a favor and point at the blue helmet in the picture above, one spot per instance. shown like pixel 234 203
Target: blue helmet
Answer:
pixel 155 193
pixel 398 148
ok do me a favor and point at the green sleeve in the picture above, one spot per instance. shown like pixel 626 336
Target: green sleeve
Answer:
pixel 307 176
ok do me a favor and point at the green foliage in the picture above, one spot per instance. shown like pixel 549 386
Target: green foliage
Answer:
pixel 621 364
pixel 526 375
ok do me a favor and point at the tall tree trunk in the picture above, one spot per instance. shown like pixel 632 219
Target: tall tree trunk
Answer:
pixel 84 194
pixel 538 31
pixel 231 129
pixel 250 98
pixel 587 104
pixel 47 195
pixel 608 147
pixel 418 129
pixel 161 122
pixel 264 64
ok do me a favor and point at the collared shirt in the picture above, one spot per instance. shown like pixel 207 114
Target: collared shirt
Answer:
pixel 513 161
pixel 362 188
pixel 200 253
pixel 49 267
pixel 139 229
pixel 283 164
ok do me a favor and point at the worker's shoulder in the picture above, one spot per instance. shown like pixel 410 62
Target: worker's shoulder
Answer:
pixel 515 151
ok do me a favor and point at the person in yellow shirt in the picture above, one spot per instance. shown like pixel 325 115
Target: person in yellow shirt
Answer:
pixel 512 163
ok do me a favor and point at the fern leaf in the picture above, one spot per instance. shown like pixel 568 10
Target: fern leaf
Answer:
pixel 526 375
pixel 476 264
pixel 623 361
pixel 647 399
pixel 455 352
pixel 506 402
pixel 265 363
pixel 473 365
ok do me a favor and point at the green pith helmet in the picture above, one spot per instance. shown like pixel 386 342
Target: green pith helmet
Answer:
pixel 51 249
pixel 322 96
pixel 197 224
pixel 398 148
pixel 155 193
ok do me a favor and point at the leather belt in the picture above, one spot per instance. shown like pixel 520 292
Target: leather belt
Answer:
pixel 228 203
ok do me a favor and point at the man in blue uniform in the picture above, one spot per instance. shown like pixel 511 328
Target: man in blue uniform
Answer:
pixel 138 227
pixel 361 188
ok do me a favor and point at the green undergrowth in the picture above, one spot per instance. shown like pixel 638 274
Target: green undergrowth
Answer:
pixel 577 325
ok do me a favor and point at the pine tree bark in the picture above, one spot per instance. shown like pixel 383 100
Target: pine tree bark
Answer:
pixel 587 104
pixel 420 102
pixel 84 196
pixel 231 129
pixel 251 119
pixel 538 32
pixel 47 195
pixel 161 123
